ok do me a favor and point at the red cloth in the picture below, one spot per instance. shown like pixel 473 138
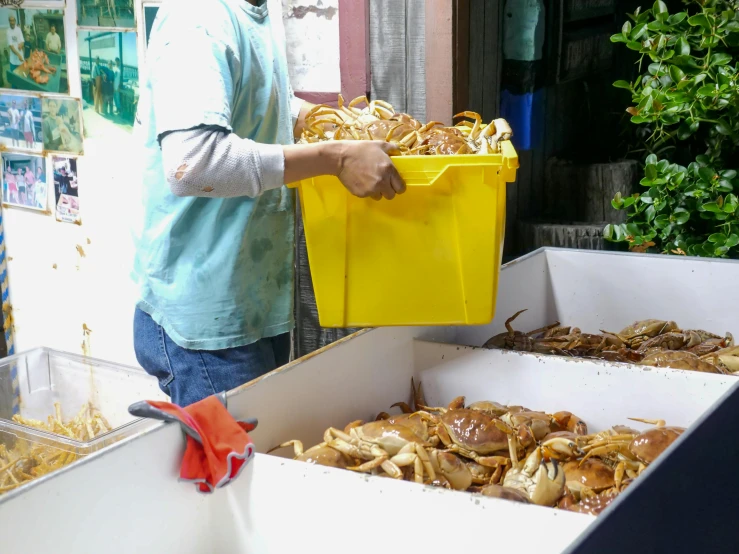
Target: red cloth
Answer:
pixel 226 446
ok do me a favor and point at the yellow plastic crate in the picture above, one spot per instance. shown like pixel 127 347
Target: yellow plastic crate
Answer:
pixel 430 256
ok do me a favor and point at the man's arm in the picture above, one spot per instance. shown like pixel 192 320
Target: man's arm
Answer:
pixel 203 157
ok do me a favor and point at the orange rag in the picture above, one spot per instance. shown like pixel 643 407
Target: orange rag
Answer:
pixel 225 449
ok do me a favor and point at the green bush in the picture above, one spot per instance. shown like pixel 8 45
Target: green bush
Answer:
pixel 686 102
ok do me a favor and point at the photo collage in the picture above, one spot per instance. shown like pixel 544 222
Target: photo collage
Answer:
pixel 44 121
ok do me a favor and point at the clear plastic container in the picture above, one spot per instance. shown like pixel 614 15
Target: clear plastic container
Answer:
pixel 44 382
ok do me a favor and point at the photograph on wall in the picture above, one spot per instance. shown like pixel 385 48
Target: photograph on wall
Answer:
pixel 61 127
pixel 65 189
pixel 24 181
pixel 110 79
pixel 20 122
pixel 34 56
pixel 116 14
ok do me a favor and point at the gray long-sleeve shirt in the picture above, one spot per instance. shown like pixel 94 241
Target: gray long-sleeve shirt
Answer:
pixel 213 162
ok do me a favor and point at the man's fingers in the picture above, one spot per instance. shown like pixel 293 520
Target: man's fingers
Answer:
pixel 396 181
pixel 387 190
pixel 390 148
pixel 376 196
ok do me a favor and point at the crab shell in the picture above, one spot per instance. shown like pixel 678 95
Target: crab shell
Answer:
pixel 391 438
pixel 491 408
pixel 472 430
pixel 647 446
pixel 506 493
pixel 325 456
pixel 592 473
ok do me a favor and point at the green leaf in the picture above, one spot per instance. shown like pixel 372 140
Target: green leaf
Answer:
pixel 622 84
pixel 661 221
pixel 629 201
pixel 686 129
pixel 650 213
pixel 638 119
pixel 728 173
pixel 682 47
pixel 731 241
pixel 618 38
pixel 626 29
pixel 720 58
pixel 652 159
pixel 676 73
pixel 712 207
pixel 721 250
pixel 633 45
pixel 699 20
pixel 638 32
pixel 659 7
pixel 731 204
pixel 723 127
pixel 725 186
pixel 708 90
pixel 676 18
pixel 651 172
pixel 608 232
pixel 681 216
pixel 717 238
pixel 707 174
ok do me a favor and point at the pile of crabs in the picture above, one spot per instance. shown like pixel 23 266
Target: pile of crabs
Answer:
pixel 378 120
pixel 651 342
pixel 507 452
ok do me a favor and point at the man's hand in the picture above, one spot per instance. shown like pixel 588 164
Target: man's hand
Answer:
pixel 364 167
pixel 366 170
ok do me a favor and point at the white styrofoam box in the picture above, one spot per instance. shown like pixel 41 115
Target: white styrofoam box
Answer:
pixel 610 290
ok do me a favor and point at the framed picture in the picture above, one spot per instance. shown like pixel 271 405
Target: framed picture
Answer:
pixel 24 181
pixel 61 125
pixel 66 190
pixel 113 14
pixel 110 78
pixel 20 122
pixel 34 56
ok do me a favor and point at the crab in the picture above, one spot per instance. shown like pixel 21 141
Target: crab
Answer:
pixel 592 476
pixel 726 359
pixel 384 445
pixel 640 331
pixel 543 482
pixel 320 454
pixel 454 471
pixel 505 493
pixel 470 433
pixel 516 340
pixel 683 360
pixel 629 451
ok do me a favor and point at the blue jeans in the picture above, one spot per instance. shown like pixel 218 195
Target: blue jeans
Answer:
pixel 188 376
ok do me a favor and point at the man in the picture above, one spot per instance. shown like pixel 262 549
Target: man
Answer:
pixel 40 188
pixel 53 41
pixel 52 137
pixel 14 115
pixel 117 74
pixel 14 37
pixel 214 257
pixel 97 85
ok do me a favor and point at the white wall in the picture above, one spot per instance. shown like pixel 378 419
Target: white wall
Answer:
pixel 54 290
